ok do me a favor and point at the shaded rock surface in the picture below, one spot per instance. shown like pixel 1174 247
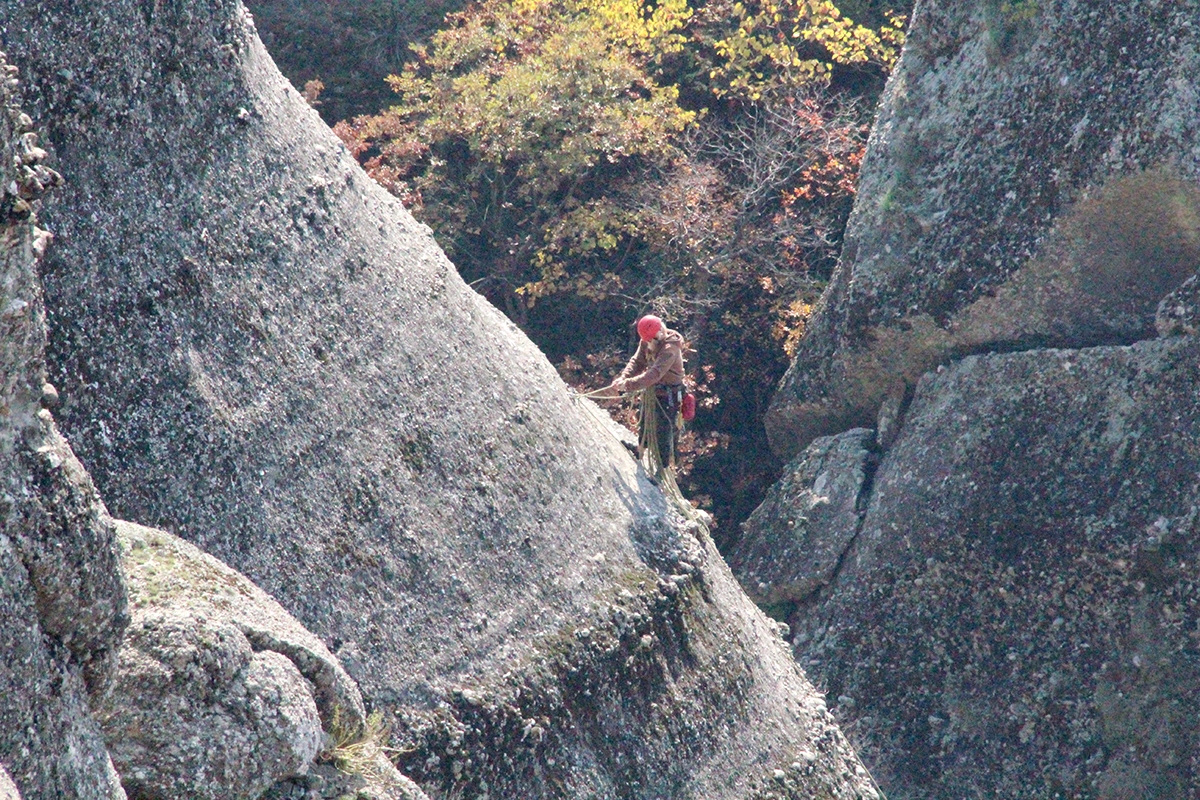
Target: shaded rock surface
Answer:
pixel 365 777
pixel 793 542
pixel 1031 181
pixel 62 601
pixel 257 348
pixel 1018 615
pixel 220 692
pixel 1179 312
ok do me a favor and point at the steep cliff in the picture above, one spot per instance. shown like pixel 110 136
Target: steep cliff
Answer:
pixel 260 350
pixel 1017 614
pixel 1031 181
pixel 62 600
pixel 1006 606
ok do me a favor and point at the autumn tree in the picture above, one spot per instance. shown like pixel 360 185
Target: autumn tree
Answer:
pixel 348 46
pixel 517 123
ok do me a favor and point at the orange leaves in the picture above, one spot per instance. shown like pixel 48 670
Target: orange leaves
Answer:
pixel 834 175
pixel 790 323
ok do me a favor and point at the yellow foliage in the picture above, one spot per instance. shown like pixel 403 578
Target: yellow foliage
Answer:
pixel 771 46
pixel 650 30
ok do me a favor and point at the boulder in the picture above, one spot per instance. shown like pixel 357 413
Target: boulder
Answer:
pixel 793 543
pixel 198 713
pixel 62 600
pixel 1031 181
pixel 1018 613
pixel 258 349
pixel 220 692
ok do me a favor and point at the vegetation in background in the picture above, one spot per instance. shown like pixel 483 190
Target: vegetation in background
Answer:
pixel 348 47
pixel 587 161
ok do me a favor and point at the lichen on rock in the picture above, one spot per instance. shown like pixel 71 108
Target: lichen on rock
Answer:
pixel 220 692
pixel 258 349
pixel 1017 615
pixel 793 542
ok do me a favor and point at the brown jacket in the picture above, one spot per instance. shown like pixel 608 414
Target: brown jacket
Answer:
pixel 656 361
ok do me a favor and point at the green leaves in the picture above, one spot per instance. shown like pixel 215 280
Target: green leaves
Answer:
pixel 549 144
pixel 518 115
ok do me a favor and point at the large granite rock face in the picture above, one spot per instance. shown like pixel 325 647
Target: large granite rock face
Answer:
pixel 258 349
pixel 1031 181
pixel 62 601
pixel 1015 610
pixel 1018 613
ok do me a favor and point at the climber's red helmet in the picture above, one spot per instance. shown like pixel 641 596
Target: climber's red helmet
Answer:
pixel 648 327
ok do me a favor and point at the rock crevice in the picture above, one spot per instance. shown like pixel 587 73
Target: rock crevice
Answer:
pixel 259 350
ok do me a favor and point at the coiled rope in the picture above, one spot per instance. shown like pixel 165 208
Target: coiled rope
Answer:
pixel 650 457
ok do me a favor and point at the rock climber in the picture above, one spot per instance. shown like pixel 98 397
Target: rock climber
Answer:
pixel 658 363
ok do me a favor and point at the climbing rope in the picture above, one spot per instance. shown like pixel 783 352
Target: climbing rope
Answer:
pixel 650 457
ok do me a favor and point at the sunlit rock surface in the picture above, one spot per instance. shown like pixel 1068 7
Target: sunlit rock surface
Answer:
pixel 219 692
pixel 259 350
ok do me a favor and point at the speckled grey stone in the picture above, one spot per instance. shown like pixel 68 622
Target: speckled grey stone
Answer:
pixel 197 713
pixel 1032 180
pixel 793 542
pixel 1179 312
pixel 62 601
pixel 1017 616
pixel 220 692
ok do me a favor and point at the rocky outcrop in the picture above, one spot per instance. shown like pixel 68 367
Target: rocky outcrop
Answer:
pixel 1014 612
pixel 1017 613
pixel 1031 181
pixel 792 545
pixel 220 692
pixel 214 691
pixel 62 602
pixel 260 350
